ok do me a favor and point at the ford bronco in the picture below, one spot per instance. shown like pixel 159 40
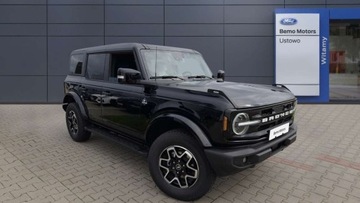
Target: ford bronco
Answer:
pixel 165 103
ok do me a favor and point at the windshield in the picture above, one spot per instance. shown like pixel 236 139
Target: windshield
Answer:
pixel 160 63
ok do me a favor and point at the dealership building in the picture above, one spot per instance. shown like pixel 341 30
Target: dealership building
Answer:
pixel 311 46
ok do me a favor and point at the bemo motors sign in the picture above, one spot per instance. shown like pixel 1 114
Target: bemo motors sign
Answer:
pixel 302 50
pixel 297 44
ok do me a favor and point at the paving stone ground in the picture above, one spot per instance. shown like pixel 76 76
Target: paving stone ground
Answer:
pixel 40 163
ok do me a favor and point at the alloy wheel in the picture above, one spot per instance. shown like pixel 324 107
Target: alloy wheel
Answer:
pixel 73 122
pixel 179 166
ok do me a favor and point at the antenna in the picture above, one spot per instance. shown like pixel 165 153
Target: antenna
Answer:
pixel 155 62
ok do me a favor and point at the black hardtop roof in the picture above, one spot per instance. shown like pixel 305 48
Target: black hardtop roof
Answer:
pixel 128 46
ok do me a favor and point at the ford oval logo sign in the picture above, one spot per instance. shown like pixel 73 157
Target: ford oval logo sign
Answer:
pixel 288 21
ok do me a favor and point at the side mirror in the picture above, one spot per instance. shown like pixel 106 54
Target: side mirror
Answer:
pixel 221 76
pixel 127 75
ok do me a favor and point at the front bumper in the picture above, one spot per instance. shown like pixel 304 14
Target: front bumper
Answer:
pixel 229 161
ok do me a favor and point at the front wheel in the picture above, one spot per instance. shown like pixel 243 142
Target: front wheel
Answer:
pixel 179 166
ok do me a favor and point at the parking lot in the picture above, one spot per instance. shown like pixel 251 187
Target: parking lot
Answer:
pixel 40 163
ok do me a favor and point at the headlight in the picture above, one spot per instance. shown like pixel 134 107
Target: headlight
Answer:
pixel 238 123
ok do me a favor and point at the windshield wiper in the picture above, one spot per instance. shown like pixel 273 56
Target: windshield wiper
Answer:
pixel 199 76
pixel 167 77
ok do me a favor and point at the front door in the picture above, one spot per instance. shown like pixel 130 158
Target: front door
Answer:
pixel 122 109
pixel 123 104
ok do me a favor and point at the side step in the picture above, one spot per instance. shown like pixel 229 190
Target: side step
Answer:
pixel 132 145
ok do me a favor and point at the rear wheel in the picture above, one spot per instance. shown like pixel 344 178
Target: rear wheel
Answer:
pixel 76 124
pixel 179 166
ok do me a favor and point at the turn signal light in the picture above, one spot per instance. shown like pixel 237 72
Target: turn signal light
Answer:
pixel 225 123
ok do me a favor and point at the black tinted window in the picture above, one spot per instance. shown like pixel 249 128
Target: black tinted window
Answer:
pixel 121 60
pixel 76 64
pixel 95 66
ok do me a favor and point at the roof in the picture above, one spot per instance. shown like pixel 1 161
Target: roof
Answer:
pixel 128 46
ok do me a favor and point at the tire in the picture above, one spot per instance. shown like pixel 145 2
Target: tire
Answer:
pixel 76 124
pixel 182 177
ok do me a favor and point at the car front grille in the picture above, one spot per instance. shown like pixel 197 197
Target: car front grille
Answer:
pixel 275 115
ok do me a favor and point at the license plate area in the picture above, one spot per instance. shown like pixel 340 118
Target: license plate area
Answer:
pixel 279 131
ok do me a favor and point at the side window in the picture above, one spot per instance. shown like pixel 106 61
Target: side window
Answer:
pixel 121 60
pixel 95 66
pixel 76 64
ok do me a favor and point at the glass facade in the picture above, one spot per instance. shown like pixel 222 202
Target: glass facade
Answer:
pixel 344 60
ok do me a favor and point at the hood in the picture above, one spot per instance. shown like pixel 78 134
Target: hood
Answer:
pixel 241 95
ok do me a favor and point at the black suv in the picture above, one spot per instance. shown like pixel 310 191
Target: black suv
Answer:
pixel 164 102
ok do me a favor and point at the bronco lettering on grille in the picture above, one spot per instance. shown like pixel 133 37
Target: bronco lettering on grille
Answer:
pixel 277 116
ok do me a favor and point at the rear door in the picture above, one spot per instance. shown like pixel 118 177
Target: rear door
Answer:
pixel 92 87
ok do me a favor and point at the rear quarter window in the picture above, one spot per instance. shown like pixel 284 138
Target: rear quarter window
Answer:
pixel 76 64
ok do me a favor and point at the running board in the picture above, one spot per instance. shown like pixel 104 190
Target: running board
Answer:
pixel 132 145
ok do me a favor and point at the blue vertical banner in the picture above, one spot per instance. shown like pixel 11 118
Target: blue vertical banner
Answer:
pixel 324 59
pixel 304 70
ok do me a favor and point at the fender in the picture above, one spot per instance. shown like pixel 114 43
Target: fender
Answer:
pixel 200 135
pixel 77 100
